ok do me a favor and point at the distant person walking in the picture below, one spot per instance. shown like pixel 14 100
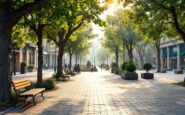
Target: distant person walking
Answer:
pixel 78 68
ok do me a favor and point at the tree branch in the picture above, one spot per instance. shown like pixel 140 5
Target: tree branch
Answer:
pixel 52 38
pixel 17 14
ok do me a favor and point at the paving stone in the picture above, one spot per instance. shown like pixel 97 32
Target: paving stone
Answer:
pixel 102 93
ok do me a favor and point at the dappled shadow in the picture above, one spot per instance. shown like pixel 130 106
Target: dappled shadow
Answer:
pixel 65 107
pixel 22 107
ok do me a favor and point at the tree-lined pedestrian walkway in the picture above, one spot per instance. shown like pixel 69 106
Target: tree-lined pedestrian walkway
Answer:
pixel 102 93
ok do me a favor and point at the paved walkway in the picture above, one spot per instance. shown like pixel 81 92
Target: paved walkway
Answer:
pixel 33 75
pixel 102 93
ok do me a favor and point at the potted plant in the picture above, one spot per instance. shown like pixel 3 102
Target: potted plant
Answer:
pixel 147 67
pixel 88 64
pixel 130 73
pixel 114 68
pixel 30 68
pixel 23 67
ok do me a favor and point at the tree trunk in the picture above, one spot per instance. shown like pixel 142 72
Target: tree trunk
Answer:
pixel 5 63
pixel 158 57
pixel 40 61
pixel 141 60
pixel 7 21
pixel 70 60
pixel 60 62
pixel 117 57
pixel 130 55
pixel 123 52
pixel 76 59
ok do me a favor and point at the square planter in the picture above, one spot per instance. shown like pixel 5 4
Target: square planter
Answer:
pixel 129 76
pixel 178 71
pixel 30 70
pixel 163 71
pixel 147 75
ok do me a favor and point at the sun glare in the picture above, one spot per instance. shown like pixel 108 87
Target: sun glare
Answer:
pixel 111 8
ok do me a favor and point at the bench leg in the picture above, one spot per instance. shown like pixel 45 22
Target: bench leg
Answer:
pixel 42 95
pixel 33 98
pixel 25 98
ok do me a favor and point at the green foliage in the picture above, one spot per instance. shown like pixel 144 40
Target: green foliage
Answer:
pixel 23 64
pixel 183 67
pixel 102 55
pixel 79 41
pixel 33 85
pixel 123 66
pixel 111 42
pixel 88 63
pixel 130 67
pixel 49 83
pixel 147 66
pixel 114 65
pixel 31 66
pixel 158 14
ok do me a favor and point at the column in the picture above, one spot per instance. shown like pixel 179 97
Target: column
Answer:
pixel 161 58
pixel 168 58
pixel 178 56
pixel 21 56
pixel 27 55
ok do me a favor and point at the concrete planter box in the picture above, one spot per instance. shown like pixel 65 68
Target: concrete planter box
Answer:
pixel 30 69
pixel 147 75
pixel 178 71
pixel 163 71
pixel 129 76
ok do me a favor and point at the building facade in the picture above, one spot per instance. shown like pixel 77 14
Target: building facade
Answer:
pixel 172 54
pixel 29 54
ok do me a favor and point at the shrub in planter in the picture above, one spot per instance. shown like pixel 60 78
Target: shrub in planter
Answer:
pixel 130 67
pixel 49 83
pixel 114 68
pixel 130 73
pixel 23 67
pixel 88 64
pixel 123 66
pixel 114 65
pixel 30 68
pixel 147 67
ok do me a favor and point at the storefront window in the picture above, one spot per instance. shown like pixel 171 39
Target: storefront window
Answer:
pixel 173 51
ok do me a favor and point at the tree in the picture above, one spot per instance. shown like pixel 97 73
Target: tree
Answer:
pixel 170 12
pixel 112 43
pixel 10 13
pixel 75 15
pixel 124 30
pixel 102 55
pixel 36 21
pixel 129 38
pixel 140 48
pixel 79 43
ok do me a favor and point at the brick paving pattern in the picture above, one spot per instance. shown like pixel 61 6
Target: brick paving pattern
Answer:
pixel 102 93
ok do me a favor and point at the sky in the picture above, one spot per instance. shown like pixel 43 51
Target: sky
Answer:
pixel 99 30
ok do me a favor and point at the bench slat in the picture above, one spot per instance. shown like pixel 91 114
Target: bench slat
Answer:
pixel 33 92
pixel 20 84
pixel 19 81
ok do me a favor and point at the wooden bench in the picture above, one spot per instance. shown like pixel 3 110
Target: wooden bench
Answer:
pixel 66 75
pixel 22 85
pixel 178 71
